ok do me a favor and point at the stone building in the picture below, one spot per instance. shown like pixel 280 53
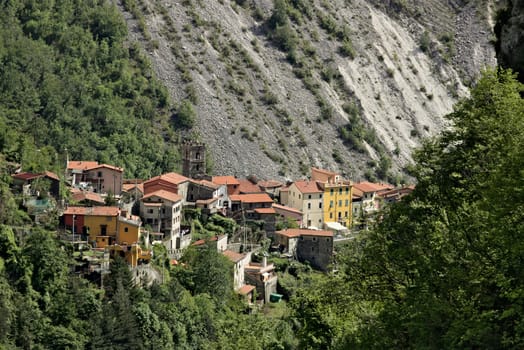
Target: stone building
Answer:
pixel 193 159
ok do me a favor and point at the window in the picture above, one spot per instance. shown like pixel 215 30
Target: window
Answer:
pixel 298 196
pixel 347 190
pixel 320 196
pixel 340 190
pixel 320 205
pixel 150 211
pixel 331 191
pixel 340 202
pixel 308 196
pixel 346 214
pixel 126 229
pixel 331 215
pixel 314 239
pixel 309 205
pixel 347 202
pixel 99 174
pixel 339 214
pixel 331 204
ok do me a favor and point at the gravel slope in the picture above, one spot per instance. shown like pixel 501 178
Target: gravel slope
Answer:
pixel 403 92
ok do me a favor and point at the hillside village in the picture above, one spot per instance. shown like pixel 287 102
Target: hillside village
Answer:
pixel 106 215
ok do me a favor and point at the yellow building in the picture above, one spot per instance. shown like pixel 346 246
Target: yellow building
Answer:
pixel 337 197
pixel 106 227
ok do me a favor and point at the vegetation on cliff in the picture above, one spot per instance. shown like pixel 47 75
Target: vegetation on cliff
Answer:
pixel 69 83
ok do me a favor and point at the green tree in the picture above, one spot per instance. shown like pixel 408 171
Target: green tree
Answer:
pixel 210 273
pixel 441 265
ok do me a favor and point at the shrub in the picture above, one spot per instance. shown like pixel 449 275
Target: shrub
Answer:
pixel 347 49
pixel 185 115
pixel 425 41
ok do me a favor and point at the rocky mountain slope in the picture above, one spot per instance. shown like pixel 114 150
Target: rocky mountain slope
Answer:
pixel 279 86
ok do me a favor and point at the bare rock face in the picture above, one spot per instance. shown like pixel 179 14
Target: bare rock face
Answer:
pixel 364 82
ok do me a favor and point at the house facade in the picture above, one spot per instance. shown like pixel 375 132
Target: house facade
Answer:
pixel 285 213
pixel 207 195
pixel 27 183
pixel 102 226
pixel 100 178
pixel 170 182
pixel 263 277
pixel 161 210
pixel 371 195
pixel 240 261
pixel 312 246
pixel 337 198
pixel 232 184
pixel 307 196
pixel 256 207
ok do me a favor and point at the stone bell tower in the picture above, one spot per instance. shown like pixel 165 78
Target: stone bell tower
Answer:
pixel 193 159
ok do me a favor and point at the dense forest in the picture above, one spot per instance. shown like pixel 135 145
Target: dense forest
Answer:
pixel 71 84
pixel 442 269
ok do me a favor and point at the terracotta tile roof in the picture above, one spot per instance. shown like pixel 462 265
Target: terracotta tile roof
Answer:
pixel 212 239
pixel 30 176
pixel 79 196
pixel 247 186
pixel 258 268
pixel 51 175
pixel 270 184
pixel 170 196
pixel 131 187
pixel 245 289
pixel 251 198
pixel 92 211
pixel 24 176
pixel 306 186
pixel 285 208
pixel 297 232
pixel 173 178
pixel 357 193
pixel 225 180
pixel 206 183
pixel 322 233
pixel 289 233
pixel 89 165
pixel 81 165
pixel 233 256
pixel 398 192
pixel 324 176
pixel 112 167
pixel 372 187
pixel 323 171
pixel 265 211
